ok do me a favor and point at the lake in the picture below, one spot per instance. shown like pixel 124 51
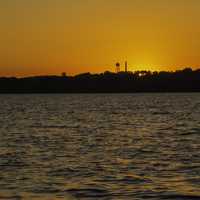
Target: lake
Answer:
pixel 100 146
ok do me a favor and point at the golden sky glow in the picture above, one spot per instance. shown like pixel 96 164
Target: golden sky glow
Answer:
pixel 51 36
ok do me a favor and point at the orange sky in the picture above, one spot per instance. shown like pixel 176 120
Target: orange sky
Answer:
pixel 75 36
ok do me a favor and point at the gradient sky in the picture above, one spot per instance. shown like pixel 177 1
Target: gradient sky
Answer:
pixel 75 36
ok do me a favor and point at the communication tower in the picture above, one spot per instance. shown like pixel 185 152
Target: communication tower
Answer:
pixel 126 66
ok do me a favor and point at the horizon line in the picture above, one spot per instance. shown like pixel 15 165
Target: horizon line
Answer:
pixel 64 74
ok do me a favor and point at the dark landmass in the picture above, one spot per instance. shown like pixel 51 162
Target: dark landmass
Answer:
pixel 185 80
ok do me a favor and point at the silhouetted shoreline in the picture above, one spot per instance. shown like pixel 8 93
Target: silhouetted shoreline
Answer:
pixel 186 80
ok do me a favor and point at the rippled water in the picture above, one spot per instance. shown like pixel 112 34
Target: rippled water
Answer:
pixel 100 146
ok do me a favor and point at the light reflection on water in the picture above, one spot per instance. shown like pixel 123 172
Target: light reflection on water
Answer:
pixel 100 146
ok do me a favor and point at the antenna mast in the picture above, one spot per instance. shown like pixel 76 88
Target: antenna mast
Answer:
pixel 126 66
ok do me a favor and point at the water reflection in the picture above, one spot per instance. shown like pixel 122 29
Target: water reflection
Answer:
pixel 100 146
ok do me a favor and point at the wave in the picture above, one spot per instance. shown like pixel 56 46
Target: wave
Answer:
pixel 181 197
pixel 89 193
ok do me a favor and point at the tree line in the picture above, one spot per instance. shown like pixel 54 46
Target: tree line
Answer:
pixel 186 80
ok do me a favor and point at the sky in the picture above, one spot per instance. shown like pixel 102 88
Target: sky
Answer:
pixel 44 37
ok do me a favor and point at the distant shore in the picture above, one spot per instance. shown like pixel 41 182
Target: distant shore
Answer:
pixel 186 80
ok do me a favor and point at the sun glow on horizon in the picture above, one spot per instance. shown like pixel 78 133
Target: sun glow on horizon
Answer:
pixel 49 37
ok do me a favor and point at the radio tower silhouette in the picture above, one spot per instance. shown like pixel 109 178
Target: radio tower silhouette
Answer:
pixel 126 66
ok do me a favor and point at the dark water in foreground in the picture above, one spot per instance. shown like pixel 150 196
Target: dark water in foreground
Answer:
pixel 100 146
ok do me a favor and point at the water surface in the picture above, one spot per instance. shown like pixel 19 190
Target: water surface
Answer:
pixel 100 146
